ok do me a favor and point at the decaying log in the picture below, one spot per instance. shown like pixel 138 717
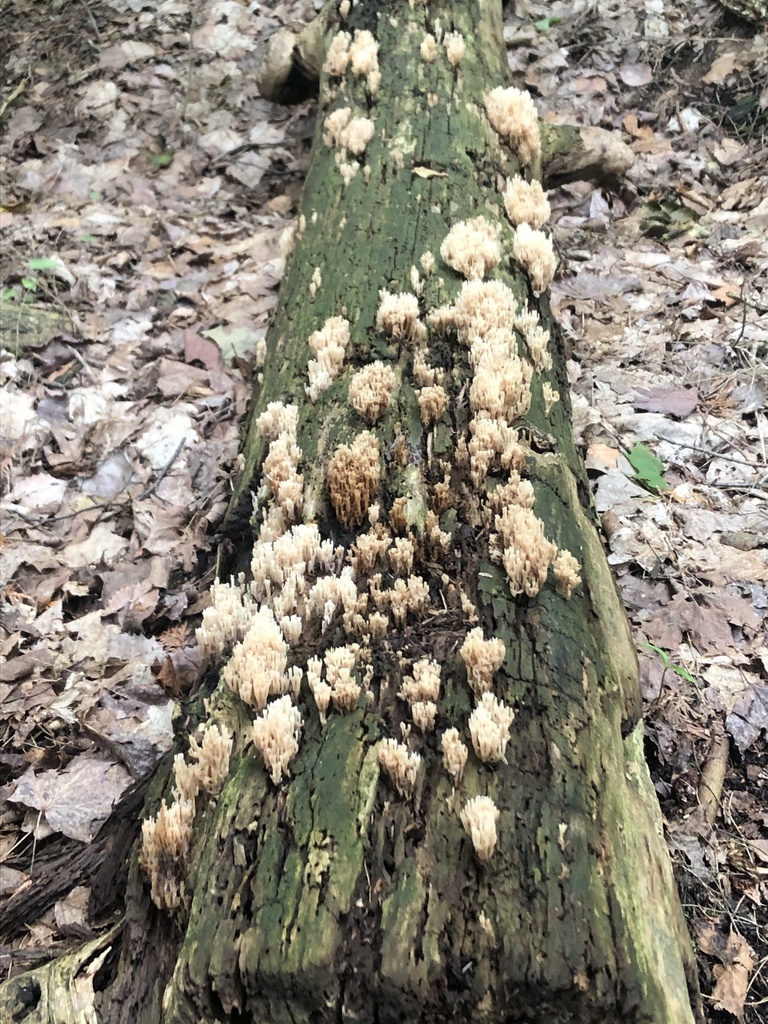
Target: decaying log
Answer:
pixel 341 892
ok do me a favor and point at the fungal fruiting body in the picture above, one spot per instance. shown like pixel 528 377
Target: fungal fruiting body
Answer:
pixel 256 670
pixel 513 116
pixel 533 249
pixel 479 818
pixel 526 202
pixel 489 728
pixel 400 765
pixel 275 735
pixel 166 840
pixel 370 390
pixel 481 658
pixel 455 755
pixel 328 345
pixel 472 248
pixel 353 478
pixel 522 548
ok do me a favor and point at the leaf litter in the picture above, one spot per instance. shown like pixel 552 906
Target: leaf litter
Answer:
pixel 146 189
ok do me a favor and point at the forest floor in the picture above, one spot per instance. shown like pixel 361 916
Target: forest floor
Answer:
pixel 145 190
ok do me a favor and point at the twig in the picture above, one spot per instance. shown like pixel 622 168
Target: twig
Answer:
pixel 159 478
pixel 713 775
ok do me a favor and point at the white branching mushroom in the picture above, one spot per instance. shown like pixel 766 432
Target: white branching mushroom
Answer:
pixel 212 756
pixel 433 400
pixel 566 570
pixel 513 115
pixel 321 691
pixel 472 248
pixel 166 840
pixel 479 818
pixel 370 390
pixel 526 202
pixel 256 669
pixel 275 735
pixel 481 658
pixel 424 713
pixel 520 545
pixel 400 765
pixel 489 728
pixel 533 249
pixel 398 316
pixel 455 755
pixel 424 683
pixel 353 478
pixel 328 344
pixel 339 665
pixel 225 620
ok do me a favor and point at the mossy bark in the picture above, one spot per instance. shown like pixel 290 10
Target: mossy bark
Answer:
pixel 329 898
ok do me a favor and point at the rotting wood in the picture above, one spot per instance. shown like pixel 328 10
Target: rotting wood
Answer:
pixel 330 897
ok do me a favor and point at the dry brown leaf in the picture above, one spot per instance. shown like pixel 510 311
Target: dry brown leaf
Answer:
pixel 77 800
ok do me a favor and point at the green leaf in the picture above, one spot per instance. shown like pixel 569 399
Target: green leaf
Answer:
pixel 682 671
pixel 9 294
pixel 545 24
pixel 648 469
pixel 44 263
pixel 661 653
pixel 30 283
pixel 160 160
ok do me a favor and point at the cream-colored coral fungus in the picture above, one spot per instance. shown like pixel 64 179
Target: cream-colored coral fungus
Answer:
pixel 370 390
pixel 356 135
pixel 481 307
pixel 526 202
pixel 225 620
pixel 339 664
pixel 353 478
pixel 479 818
pixel 398 316
pixel 533 249
pixel 408 597
pixel 489 728
pixel 428 48
pixel 369 548
pixel 551 395
pixel 321 691
pixel 400 765
pixel 275 735
pixel 472 248
pixel 520 545
pixel 492 437
pixel 481 659
pixel 337 55
pixel 185 778
pixel 501 386
pixel 335 123
pixel 364 59
pixel 424 683
pixel 537 341
pixel 401 555
pixel 513 115
pixel 424 714
pixel 256 670
pixel 432 404
pixel 212 756
pixel 328 345
pixel 166 840
pixel 566 570
pixel 454 47
pixel 455 755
